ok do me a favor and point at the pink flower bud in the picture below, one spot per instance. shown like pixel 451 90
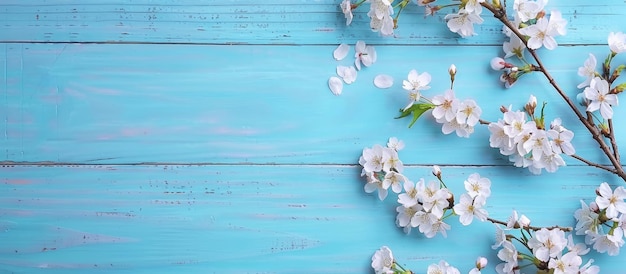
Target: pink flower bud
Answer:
pixel 594 207
pixel 481 263
pixel 498 63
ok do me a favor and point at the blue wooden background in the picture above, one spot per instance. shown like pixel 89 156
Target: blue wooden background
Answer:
pixel 201 137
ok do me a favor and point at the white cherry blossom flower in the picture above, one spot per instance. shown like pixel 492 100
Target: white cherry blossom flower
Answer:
pixel 469 207
pixel 473 6
pixel 557 23
pixel 547 244
pixel 538 144
pixel 380 17
pixel 589 269
pixel 550 161
pixel 580 248
pixel 598 95
pixel 468 113
pixel 500 238
pixel 463 22
pixel 566 264
pixel 617 42
pixel 586 219
pixel 540 35
pixel 437 227
pixel 412 192
pixel 394 180
pixel 365 55
pixel 561 138
pixel 609 243
pixel 416 82
pixel 442 268
pixel 435 199
pixel 499 139
pixel 515 46
pixel 446 106
pixel 477 186
pixel 526 10
pixel 462 130
pixel 383 261
pixel 346 8
pixel 374 184
pixel 588 70
pixel 405 214
pixel 374 159
pixel 395 144
pixel 424 220
pixel 612 201
pixel 341 52
pixel 508 254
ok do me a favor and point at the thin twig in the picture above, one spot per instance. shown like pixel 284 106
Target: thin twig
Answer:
pixel 589 163
pixel 533 228
pixel 613 142
pixel 595 132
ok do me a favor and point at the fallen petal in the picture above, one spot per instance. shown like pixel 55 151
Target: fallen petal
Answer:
pixel 341 52
pixel 336 85
pixel 383 81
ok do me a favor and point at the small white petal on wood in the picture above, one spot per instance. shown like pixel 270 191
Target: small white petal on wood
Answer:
pixel 341 52
pixel 383 81
pixel 336 85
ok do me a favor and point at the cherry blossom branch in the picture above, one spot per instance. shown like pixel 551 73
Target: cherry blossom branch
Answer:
pixel 613 142
pixel 533 228
pixel 589 163
pixel 596 134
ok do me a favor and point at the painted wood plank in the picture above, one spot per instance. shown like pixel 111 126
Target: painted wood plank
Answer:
pixel 249 219
pixel 250 104
pixel 270 22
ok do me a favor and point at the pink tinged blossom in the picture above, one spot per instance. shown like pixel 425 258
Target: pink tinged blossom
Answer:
pixel 612 201
pixel 598 95
pixel 463 22
pixel 617 42
pixel 497 63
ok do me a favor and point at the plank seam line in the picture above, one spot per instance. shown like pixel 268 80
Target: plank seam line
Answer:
pixel 260 44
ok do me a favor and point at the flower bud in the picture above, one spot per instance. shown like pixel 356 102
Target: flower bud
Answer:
pixel 481 263
pixel 452 70
pixel 437 171
pixel 531 105
pixel 514 69
pixel 524 221
pixel 594 207
pixel 498 63
pixel 503 109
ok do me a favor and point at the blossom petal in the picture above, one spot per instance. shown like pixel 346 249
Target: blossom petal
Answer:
pixel 336 85
pixel 383 81
pixel 341 52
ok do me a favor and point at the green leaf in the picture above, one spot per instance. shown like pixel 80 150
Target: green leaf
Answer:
pixel 417 110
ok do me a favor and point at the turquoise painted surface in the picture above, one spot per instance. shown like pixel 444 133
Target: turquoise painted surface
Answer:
pixel 143 137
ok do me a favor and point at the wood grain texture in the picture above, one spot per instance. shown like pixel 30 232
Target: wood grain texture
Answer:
pixel 247 219
pixel 141 136
pixel 250 104
pixel 269 22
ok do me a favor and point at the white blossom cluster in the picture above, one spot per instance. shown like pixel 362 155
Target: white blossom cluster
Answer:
pixel 527 143
pixel 550 248
pixel 454 114
pixel 422 205
pixel 383 262
pixel 598 94
pixel 603 221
